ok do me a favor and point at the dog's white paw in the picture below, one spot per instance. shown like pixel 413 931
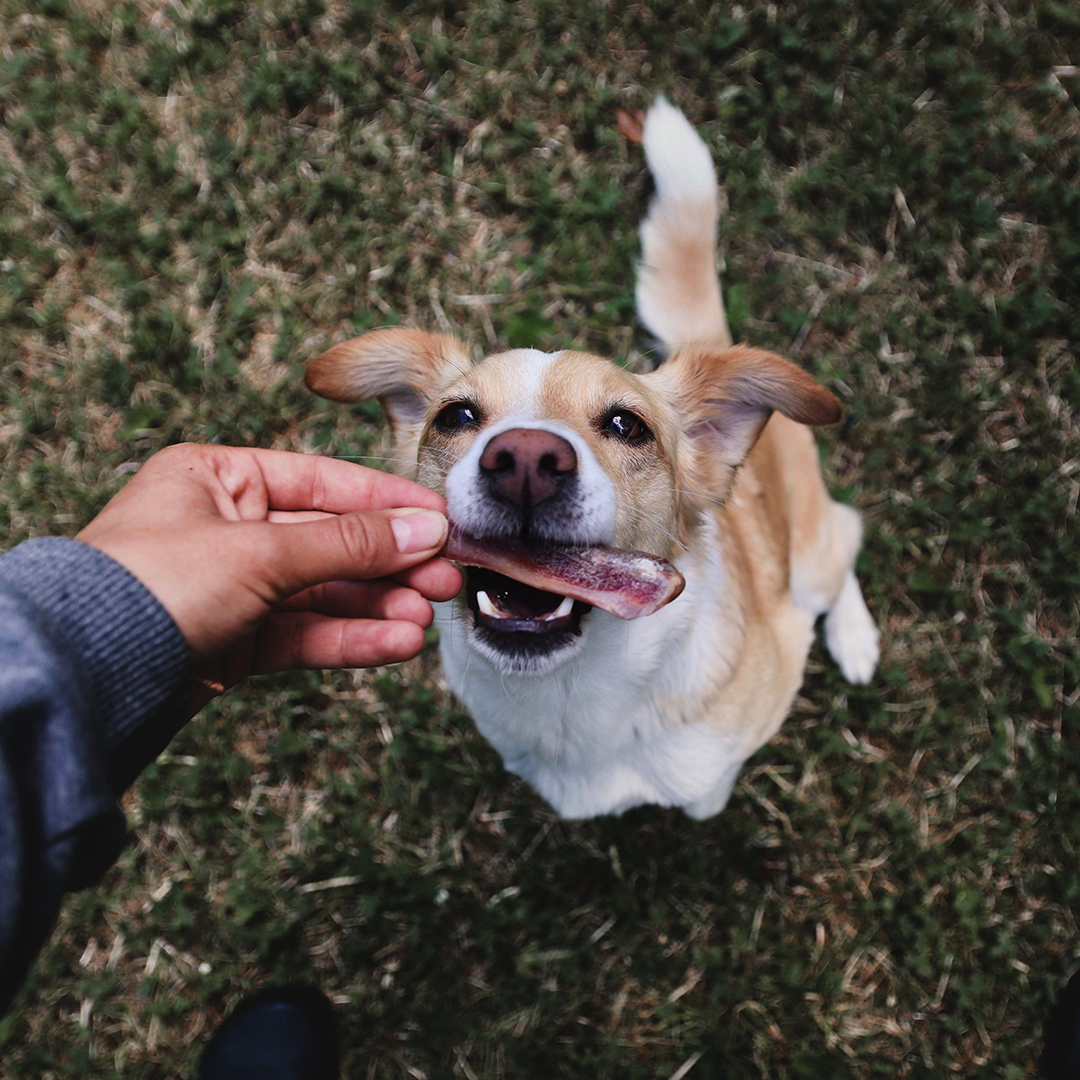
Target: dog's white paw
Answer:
pixel 851 635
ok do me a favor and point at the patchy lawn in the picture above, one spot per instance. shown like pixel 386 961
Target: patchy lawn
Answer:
pixel 197 198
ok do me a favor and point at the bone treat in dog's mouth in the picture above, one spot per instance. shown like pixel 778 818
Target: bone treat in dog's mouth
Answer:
pixel 627 584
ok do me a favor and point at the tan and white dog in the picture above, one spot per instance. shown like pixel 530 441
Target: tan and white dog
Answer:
pixel 706 461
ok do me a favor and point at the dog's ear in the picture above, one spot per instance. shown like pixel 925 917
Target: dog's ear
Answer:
pixel 726 396
pixel 404 369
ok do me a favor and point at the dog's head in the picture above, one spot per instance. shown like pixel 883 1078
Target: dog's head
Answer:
pixel 565 449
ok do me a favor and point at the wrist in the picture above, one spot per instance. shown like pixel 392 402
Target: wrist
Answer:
pixel 132 658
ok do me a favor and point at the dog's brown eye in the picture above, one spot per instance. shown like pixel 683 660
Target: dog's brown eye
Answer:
pixel 627 426
pixel 456 416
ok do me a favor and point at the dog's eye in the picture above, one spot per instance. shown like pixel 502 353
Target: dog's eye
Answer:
pixel 627 426
pixel 456 416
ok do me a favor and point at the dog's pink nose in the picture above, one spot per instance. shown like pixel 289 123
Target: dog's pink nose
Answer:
pixel 526 466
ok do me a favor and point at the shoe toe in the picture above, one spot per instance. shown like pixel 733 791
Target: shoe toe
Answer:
pixel 282 1034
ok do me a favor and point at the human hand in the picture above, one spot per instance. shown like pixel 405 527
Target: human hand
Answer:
pixel 268 560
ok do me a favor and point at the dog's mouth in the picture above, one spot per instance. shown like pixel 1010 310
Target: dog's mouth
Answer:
pixel 528 600
pixel 515 581
pixel 506 606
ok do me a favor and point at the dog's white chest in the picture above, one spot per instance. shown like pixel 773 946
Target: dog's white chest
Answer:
pixel 603 733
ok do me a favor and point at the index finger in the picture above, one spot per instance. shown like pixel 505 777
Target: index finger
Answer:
pixel 311 482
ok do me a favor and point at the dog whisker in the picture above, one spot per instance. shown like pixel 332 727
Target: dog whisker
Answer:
pixel 362 457
pixel 710 500
pixel 453 364
pixel 640 518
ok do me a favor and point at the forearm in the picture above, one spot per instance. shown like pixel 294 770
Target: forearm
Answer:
pixel 93 684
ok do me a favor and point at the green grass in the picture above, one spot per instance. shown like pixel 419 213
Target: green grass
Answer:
pixel 195 201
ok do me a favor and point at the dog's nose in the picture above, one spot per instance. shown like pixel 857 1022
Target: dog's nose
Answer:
pixel 526 466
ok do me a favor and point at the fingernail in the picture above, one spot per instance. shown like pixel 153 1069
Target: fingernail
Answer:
pixel 418 530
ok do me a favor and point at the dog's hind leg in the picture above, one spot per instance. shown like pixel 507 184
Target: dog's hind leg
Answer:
pixel 825 538
pixel 851 634
pixel 823 581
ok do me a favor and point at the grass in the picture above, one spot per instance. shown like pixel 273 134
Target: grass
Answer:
pixel 195 199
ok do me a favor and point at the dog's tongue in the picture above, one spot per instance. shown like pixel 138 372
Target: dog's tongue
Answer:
pixel 625 583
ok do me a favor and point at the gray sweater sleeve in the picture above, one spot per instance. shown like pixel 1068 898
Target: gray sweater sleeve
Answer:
pixel 93 684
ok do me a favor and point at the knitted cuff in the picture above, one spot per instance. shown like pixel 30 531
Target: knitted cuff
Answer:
pixel 133 657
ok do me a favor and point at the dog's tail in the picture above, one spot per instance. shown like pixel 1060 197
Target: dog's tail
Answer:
pixel 678 292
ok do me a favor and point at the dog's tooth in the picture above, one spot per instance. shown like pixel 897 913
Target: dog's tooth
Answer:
pixel 564 608
pixel 483 602
pixel 561 611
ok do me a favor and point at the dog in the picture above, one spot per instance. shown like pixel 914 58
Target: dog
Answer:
pixel 708 461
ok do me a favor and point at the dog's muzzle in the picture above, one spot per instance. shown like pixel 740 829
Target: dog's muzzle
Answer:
pixel 526 472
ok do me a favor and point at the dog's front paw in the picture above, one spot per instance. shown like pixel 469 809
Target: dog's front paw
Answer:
pixel 851 635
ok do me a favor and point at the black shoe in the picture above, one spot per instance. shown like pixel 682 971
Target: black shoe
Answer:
pixel 284 1033
pixel 1061 1053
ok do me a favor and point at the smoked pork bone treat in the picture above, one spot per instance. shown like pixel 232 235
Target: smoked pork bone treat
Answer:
pixel 624 583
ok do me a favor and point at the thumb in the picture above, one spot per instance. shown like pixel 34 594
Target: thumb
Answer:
pixel 353 547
